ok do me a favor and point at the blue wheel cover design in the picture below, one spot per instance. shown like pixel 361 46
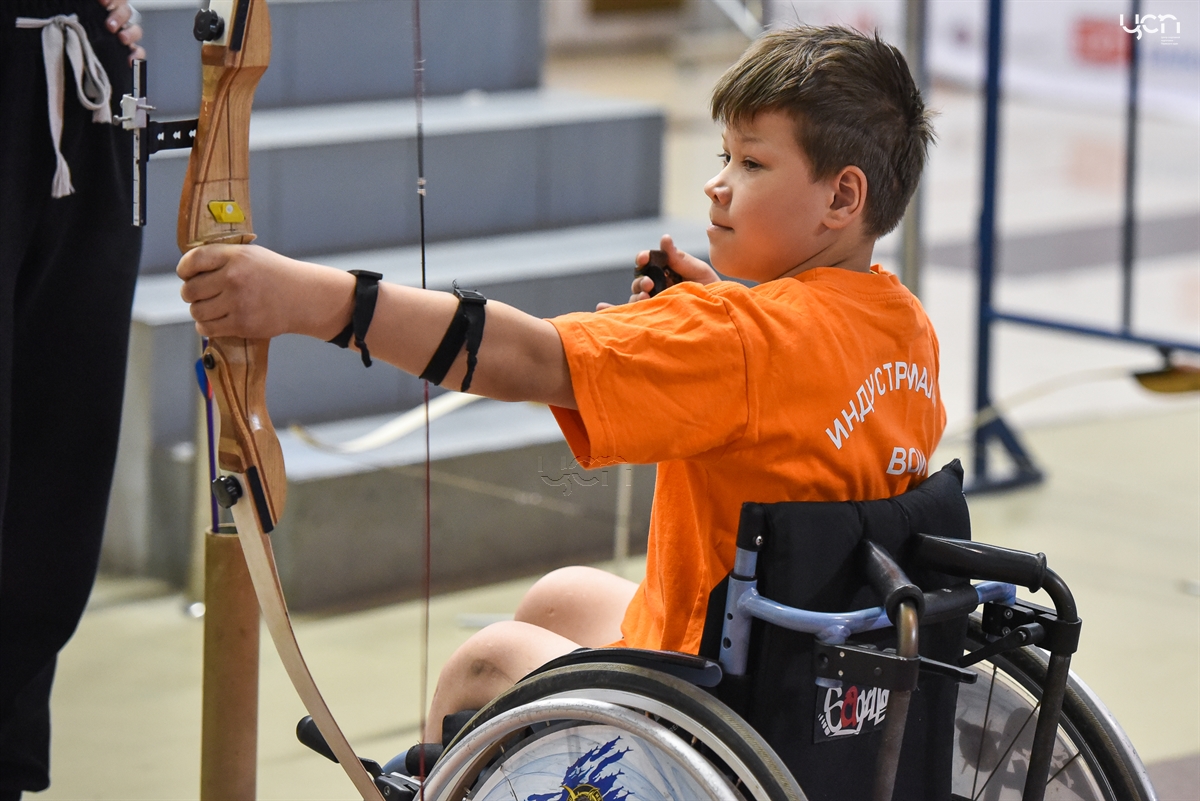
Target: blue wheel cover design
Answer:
pixel 587 763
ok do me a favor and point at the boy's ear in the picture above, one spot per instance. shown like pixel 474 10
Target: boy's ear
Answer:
pixel 849 198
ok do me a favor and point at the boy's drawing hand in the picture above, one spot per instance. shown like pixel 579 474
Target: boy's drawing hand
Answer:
pixel 249 291
pixel 687 266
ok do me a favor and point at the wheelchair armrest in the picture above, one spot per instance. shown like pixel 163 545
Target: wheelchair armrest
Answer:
pixel 693 669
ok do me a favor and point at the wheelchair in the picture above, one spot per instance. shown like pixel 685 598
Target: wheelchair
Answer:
pixel 914 695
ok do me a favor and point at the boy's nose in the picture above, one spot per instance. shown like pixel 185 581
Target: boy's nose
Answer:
pixel 717 192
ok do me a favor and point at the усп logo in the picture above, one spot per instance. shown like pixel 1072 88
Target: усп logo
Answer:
pixel 1154 23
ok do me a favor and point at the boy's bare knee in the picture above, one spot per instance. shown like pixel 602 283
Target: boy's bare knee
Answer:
pixel 489 662
pixel 547 598
pixel 503 652
pixel 491 652
pixel 583 604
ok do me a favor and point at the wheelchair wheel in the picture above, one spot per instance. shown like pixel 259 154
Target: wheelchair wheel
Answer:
pixel 646 737
pixel 1093 758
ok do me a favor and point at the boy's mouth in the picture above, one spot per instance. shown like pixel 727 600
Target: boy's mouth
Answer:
pixel 716 226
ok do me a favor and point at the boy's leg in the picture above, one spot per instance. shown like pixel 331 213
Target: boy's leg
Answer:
pixel 566 609
pixel 487 664
pixel 582 604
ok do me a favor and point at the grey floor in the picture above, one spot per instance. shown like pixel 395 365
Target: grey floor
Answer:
pixel 1118 517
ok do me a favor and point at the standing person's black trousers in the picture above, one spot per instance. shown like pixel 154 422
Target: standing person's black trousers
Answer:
pixel 67 273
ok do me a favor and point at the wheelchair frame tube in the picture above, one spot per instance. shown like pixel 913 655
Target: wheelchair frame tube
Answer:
pixel 888 762
pixel 1053 691
pixel 735 628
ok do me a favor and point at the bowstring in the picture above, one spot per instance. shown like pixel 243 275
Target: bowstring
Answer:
pixel 426 541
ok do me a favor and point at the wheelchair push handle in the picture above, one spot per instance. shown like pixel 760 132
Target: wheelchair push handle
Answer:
pixel 889 581
pixel 979 560
pixel 904 603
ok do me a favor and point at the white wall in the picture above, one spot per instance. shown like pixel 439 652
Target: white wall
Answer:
pixel 1071 51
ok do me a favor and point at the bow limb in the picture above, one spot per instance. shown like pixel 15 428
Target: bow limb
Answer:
pixel 215 207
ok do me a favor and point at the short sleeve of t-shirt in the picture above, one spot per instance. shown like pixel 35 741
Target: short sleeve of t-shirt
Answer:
pixel 643 377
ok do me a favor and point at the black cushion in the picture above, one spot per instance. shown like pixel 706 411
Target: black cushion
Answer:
pixel 808 560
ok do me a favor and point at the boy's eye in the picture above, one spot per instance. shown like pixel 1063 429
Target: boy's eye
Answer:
pixel 750 164
pixel 724 157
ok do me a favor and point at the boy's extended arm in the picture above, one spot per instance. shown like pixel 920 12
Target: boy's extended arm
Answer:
pixel 251 292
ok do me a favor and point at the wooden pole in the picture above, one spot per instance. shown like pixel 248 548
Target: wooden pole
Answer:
pixel 203 519
pixel 229 727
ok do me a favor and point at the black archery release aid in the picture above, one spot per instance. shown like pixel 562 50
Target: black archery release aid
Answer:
pixel 467 326
pixel 656 270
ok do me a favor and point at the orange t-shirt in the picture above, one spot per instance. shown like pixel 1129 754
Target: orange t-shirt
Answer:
pixel 821 387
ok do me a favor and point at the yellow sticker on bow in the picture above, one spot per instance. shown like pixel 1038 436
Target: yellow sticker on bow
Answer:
pixel 226 211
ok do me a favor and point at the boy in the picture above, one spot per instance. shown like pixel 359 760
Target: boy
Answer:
pixel 819 383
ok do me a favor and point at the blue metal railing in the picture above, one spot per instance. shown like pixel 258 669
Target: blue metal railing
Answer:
pixel 996 429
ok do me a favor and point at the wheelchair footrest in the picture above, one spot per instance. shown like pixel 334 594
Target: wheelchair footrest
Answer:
pixel 308 734
pixel 420 759
pixel 398 788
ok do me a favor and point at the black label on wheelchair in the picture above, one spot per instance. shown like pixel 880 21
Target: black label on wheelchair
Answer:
pixel 848 711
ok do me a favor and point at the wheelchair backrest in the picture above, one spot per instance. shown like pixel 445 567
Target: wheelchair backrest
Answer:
pixel 828 737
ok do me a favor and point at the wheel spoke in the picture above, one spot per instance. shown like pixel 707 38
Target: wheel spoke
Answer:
pixel 1065 765
pixel 987 711
pixel 1010 747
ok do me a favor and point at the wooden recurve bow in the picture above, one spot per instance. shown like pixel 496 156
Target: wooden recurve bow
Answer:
pixel 215 208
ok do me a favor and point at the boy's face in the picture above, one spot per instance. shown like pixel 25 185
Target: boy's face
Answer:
pixel 766 215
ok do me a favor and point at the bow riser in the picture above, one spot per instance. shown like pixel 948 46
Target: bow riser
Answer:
pixel 214 207
pixel 248 443
pixel 215 203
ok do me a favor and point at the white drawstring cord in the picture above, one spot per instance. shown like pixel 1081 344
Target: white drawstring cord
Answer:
pixel 64 33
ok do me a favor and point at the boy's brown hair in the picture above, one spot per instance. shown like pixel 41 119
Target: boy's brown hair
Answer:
pixel 854 103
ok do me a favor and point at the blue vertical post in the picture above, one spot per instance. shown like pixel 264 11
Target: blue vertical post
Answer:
pixel 1026 471
pixel 1129 232
pixel 987 229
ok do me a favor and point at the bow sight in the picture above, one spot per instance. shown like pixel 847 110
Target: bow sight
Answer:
pixel 151 136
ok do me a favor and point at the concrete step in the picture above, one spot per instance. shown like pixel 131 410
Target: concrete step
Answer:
pixel 544 273
pixel 339 178
pixel 335 51
pixel 507 500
